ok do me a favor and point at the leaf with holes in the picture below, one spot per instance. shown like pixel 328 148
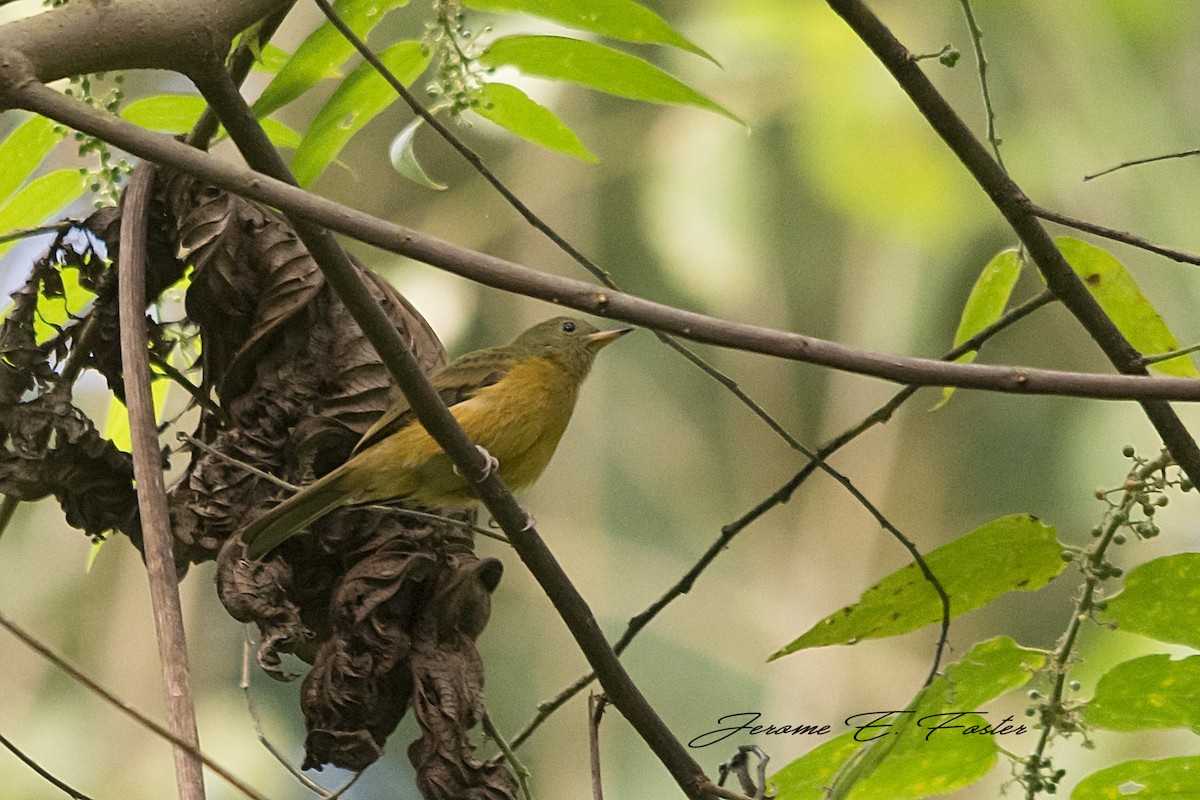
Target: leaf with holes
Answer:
pixel 1148 692
pixel 1122 300
pixel 1014 553
pixel 1142 779
pixel 1161 599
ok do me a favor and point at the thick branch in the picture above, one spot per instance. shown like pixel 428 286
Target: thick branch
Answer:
pixel 18 89
pixel 151 490
pixel 1016 208
pixel 177 35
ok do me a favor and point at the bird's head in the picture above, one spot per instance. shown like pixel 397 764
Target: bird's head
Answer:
pixel 572 342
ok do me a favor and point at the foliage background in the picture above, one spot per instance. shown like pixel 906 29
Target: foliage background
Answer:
pixel 839 214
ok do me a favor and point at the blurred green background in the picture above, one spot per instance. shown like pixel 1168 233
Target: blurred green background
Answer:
pixel 839 214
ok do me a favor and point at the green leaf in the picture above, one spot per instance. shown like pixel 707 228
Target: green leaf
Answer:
pixel 1161 599
pixel 1121 299
pixel 1142 779
pixel 319 56
pixel 116 423
pixel 271 59
pixel 178 113
pixel 513 110
pixel 911 757
pixel 404 158
pixel 355 103
pixel 619 19
pixel 39 200
pixel 596 67
pixel 985 304
pixel 1148 692
pixel 53 312
pixel 166 113
pixel 22 152
pixel 1012 553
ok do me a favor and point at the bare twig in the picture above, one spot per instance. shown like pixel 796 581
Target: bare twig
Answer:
pixel 41 230
pixel 45 652
pixel 596 703
pixel 1139 161
pixel 303 779
pixel 519 769
pixel 151 489
pixel 42 771
pixel 1115 235
pixel 778 497
pixel 982 64
pixel 507 276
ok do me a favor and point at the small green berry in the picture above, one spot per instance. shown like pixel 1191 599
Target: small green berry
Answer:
pixel 1075 686
pixel 1118 538
pixel 1128 451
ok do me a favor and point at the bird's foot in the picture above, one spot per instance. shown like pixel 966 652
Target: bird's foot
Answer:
pixel 490 463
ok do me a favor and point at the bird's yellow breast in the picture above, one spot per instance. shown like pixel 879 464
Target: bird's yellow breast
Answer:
pixel 519 420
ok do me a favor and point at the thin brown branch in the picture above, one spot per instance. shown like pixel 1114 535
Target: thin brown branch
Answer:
pixel 24 92
pixel 8 507
pixel 1115 235
pixel 41 230
pixel 596 703
pixel 158 730
pixel 151 488
pixel 42 771
pixel 776 498
pixel 222 94
pixel 519 769
pixel 1014 205
pixel 1139 161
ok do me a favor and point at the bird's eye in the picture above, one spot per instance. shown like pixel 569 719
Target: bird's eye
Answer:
pixel 568 326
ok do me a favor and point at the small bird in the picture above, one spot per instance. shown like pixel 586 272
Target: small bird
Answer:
pixel 514 402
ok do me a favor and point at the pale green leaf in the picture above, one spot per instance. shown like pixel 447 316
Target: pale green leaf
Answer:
pixel 22 152
pixel 53 312
pixel 1142 779
pixel 1161 599
pixel 404 157
pixel 1121 299
pixel 39 200
pixel 1148 692
pixel 1013 553
pixel 619 19
pixel 178 113
pixel 985 304
pixel 920 752
pixel 513 110
pixel 271 59
pixel 596 67
pixel 356 102
pixel 319 56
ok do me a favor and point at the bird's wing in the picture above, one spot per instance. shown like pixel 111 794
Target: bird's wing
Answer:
pixel 458 381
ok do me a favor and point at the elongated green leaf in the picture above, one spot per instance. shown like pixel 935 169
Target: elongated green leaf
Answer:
pixel 356 102
pixel 271 59
pixel 619 19
pixel 596 67
pixel 1161 599
pixel 1118 294
pixel 178 113
pixel 1014 553
pixel 1141 779
pixel 921 751
pixel 319 56
pixel 1148 692
pixel 985 304
pixel 39 200
pixel 513 110
pixel 404 157
pixel 22 152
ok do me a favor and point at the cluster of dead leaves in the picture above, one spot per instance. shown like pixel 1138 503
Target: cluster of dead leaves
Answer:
pixel 386 609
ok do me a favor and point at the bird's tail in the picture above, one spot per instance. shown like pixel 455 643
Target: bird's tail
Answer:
pixel 294 514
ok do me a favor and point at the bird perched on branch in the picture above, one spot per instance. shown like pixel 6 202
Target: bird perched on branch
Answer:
pixel 514 402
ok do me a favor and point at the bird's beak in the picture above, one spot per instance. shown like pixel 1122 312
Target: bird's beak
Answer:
pixel 601 338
